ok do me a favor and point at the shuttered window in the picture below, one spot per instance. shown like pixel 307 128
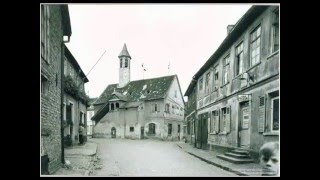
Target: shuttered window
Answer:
pixel 262 114
pixel 228 119
pixel 216 120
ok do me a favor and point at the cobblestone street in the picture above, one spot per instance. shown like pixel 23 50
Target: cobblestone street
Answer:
pixel 124 157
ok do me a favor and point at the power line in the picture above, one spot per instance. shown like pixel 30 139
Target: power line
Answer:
pixel 96 62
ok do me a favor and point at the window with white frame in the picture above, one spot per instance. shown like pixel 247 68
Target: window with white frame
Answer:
pixel 275 31
pixel 270 111
pixel 155 108
pixel 216 78
pixel 226 69
pixel 215 122
pixel 201 84
pixel 222 120
pixel 239 59
pixel 126 63
pixel 275 114
pixel 45 33
pixel 207 82
pixel 167 107
pixel 255 44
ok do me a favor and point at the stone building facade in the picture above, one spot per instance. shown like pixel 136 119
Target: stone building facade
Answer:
pixel 149 108
pixel 190 112
pixel 75 99
pixel 55 24
pixel 238 87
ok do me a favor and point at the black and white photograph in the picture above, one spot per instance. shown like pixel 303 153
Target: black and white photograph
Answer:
pixel 159 89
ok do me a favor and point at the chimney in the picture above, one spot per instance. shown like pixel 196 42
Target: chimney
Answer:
pixel 230 28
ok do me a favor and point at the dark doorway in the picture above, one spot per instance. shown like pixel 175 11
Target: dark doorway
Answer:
pixel 202 131
pixel 113 132
pixel 178 132
pixel 152 129
pixel 142 132
pixel 44 165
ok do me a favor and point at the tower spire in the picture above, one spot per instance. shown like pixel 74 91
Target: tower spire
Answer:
pixel 124 52
pixel 124 69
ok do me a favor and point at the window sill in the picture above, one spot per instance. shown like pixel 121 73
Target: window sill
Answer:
pixel 271 134
pixel 223 133
pixel 224 84
pixel 237 76
pixel 252 67
pixel 273 54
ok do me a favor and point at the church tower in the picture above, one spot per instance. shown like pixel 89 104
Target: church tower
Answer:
pixel 124 70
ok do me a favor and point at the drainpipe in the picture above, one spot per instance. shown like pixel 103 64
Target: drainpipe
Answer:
pixel 62 95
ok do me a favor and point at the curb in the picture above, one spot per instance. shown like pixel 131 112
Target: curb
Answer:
pixel 216 164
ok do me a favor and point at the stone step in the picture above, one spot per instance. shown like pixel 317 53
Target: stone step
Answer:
pixel 239 156
pixel 238 151
pixel 235 160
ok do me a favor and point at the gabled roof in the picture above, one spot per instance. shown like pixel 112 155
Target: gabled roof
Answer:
pixel 100 113
pixel 124 51
pixel 140 90
pixel 190 87
pixel 119 96
pixel 74 62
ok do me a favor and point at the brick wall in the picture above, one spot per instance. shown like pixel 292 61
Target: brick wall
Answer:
pixel 51 100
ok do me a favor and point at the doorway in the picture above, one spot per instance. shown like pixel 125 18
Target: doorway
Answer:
pixel 113 132
pixel 178 132
pixel 142 132
pixel 202 131
pixel 244 125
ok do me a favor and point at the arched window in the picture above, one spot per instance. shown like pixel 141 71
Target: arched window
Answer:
pixel 152 129
pixel 126 63
pixel 112 106
pixel 167 108
pixel 117 105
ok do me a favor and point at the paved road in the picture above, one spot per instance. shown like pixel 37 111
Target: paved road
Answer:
pixel 124 157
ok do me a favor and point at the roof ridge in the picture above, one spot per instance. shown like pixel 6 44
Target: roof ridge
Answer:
pixel 152 78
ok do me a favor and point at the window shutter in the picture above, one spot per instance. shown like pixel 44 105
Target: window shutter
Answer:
pixel 217 121
pixel 262 114
pixel 221 121
pixel 209 123
pixel 228 119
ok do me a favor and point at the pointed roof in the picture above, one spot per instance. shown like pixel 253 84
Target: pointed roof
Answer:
pixel 124 51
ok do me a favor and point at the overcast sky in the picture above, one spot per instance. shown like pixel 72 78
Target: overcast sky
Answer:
pixel 185 35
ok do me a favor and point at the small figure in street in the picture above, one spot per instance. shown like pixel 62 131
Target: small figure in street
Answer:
pixel 269 159
pixel 81 134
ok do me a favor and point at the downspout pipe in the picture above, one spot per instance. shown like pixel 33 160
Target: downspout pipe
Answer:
pixel 62 98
